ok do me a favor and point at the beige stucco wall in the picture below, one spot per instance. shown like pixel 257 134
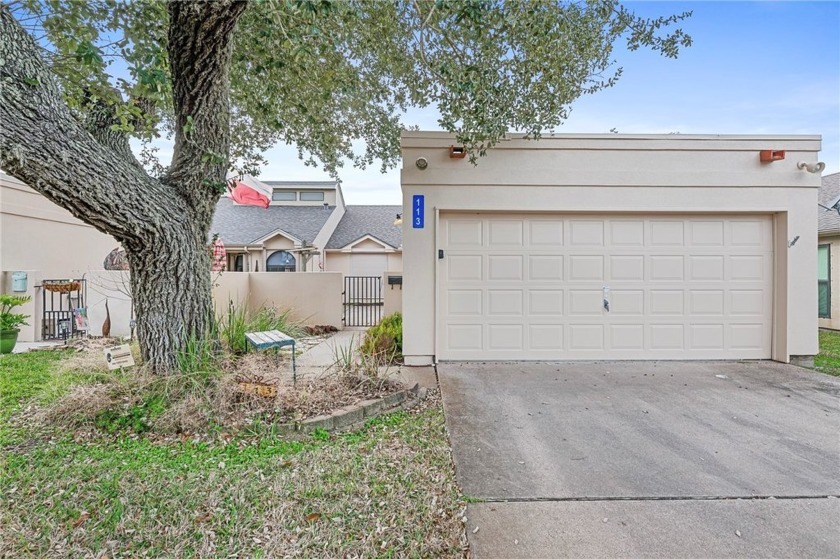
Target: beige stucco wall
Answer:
pixel 339 261
pixel 313 297
pixel 36 234
pixel 614 173
pixel 834 274
pixel 391 295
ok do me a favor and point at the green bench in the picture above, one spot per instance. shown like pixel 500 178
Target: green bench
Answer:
pixel 273 339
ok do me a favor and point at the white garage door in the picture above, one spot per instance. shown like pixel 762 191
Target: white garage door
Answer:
pixel 607 287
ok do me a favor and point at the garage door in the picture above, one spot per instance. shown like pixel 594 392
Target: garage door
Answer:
pixel 547 286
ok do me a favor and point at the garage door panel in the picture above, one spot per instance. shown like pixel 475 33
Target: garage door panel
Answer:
pixel 706 233
pixel 705 268
pixel 464 302
pixel 667 302
pixel 706 336
pixel 542 267
pixel 533 287
pixel 464 233
pixel 667 267
pixel 586 233
pixel 627 302
pixel 586 302
pixel 545 337
pixel 627 268
pixel 464 267
pixel 667 337
pixel 667 233
pixel 545 233
pixel 627 336
pixel 505 233
pixel 505 267
pixel 505 337
pixel 545 302
pixel 586 268
pixel 505 302
pixel 586 336
pixel 627 233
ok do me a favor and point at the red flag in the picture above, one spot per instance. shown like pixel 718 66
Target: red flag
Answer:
pixel 247 195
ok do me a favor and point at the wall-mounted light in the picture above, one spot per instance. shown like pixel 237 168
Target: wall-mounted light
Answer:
pixel 398 221
pixel 768 155
pixel 811 167
pixel 457 152
pixel 422 163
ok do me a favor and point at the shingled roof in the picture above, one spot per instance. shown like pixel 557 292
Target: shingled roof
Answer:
pixel 359 221
pixel 829 221
pixel 243 225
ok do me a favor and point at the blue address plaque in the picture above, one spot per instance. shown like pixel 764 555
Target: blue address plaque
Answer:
pixel 418 211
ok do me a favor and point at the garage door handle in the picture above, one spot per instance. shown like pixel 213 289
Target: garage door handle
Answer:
pixel 606 292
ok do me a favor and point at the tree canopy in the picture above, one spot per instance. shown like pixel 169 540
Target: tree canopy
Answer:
pixel 228 79
pixel 321 75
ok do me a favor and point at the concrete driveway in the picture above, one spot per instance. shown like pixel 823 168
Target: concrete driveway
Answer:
pixel 655 459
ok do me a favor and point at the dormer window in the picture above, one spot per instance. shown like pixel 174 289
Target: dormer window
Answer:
pixel 284 196
pixel 316 196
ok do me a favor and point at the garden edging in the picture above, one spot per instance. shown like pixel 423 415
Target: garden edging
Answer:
pixel 349 417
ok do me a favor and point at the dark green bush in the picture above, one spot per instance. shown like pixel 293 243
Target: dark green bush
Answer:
pixel 384 341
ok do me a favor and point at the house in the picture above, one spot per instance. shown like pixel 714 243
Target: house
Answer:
pixel 828 254
pixel 610 247
pixel 308 228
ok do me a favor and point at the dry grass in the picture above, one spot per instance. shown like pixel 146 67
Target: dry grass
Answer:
pixel 223 399
pixel 386 491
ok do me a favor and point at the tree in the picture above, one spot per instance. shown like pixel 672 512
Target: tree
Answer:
pixel 228 79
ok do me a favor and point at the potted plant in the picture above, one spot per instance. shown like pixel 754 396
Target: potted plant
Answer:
pixel 10 322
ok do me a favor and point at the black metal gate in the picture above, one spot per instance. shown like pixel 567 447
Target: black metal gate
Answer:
pixel 63 304
pixel 362 300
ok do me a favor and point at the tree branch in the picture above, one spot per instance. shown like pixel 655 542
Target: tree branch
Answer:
pixel 45 146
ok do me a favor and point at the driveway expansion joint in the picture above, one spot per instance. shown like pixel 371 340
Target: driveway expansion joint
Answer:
pixel 655 498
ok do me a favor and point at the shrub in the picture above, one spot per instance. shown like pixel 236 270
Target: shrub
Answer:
pixel 384 341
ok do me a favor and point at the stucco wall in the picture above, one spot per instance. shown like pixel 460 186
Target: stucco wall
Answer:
pixel 36 234
pixel 313 297
pixel 391 295
pixel 834 265
pixel 617 174
pixel 337 261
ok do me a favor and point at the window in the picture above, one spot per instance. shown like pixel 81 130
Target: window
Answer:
pixel 280 261
pixel 824 280
pixel 284 195
pixel 311 196
pixel 238 263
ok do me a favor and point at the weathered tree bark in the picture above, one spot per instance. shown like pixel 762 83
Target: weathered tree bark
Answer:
pixel 164 224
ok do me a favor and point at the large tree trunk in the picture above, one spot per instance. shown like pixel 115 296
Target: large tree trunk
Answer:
pixel 164 224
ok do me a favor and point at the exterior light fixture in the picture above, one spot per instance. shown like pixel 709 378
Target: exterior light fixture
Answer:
pixel 457 152
pixel 398 221
pixel 769 155
pixel 422 163
pixel 811 167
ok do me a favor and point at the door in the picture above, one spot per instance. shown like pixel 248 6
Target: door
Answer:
pixel 543 286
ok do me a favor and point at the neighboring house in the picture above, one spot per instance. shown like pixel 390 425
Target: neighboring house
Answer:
pixel 308 228
pixel 36 234
pixel 828 254
pixel 610 246
pixel 367 241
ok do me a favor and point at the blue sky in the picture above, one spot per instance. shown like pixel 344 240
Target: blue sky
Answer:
pixel 755 68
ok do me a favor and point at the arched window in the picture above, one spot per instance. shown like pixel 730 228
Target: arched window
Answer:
pixel 280 261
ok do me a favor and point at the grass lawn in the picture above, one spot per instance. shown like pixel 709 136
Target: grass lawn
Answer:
pixel 387 490
pixel 828 360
